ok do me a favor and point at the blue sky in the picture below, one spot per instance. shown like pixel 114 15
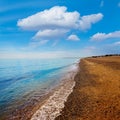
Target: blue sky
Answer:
pixel 59 28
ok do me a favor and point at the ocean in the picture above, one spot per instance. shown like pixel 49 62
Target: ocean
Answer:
pixel 26 81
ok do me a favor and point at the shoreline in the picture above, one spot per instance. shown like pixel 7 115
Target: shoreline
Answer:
pixel 27 110
pixel 51 103
pixel 96 95
pixel 88 90
pixel 55 103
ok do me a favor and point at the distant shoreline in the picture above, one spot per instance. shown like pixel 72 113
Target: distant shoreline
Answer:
pixel 96 95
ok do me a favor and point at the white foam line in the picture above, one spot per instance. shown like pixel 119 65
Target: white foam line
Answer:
pixel 51 109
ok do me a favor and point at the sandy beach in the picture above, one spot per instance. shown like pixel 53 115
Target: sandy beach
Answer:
pixel 89 91
pixel 96 95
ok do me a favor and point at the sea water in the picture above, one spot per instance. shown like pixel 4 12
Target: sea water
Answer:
pixel 24 79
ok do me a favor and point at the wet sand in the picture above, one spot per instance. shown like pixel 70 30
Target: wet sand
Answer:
pixel 96 95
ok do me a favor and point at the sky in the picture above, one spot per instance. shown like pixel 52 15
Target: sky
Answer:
pixel 59 28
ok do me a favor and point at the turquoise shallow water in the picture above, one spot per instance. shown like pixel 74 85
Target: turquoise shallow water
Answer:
pixel 23 80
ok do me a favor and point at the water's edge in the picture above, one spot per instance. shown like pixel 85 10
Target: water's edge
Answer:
pixel 54 104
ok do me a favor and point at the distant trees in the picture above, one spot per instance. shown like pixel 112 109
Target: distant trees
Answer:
pixel 107 55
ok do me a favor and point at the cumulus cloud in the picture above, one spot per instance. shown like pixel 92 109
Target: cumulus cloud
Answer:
pixel 104 36
pixel 73 38
pixel 56 22
pixel 86 21
pixel 58 17
pixel 55 17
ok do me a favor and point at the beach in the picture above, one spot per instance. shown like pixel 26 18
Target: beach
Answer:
pixel 55 103
pixel 96 95
pixel 59 60
pixel 87 90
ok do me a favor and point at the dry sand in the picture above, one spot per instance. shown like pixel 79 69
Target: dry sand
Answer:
pixel 96 95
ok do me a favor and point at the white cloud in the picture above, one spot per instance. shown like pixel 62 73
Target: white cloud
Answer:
pixel 73 38
pixel 58 17
pixel 104 36
pixel 56 22
pixel 50 33
pixel 86 21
